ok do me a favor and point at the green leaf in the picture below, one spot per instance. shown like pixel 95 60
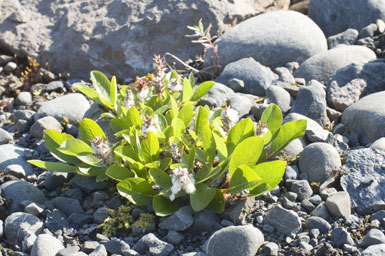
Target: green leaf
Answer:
pixel 160 177
pixel 186 114
pixel 191 79
pixel 187 90
pixel 272 116
pixel 201 90
pixel 220 147
pixel 243 178
pixel 242 130
pixel 53 166
pixel 127 153
pixel 208 143
pixel 165 163
pixel 119 173
pixel 174 106
pixel 247 152
pixel 113 90
pixel 207 173
pixel 150 148
pixel 201 197
pixel 178 127
pixel 270 173
pixel 217 205
pixel 163 206
pixel 89 159
pixel 89 130
pixel 288 132
pixel 92 94
pixel 258 190
pixel 118 124
pixel 136 190
pixel 73 147
pixel 53 139
pixel 101 84
pixel 133 117
pixel 202 119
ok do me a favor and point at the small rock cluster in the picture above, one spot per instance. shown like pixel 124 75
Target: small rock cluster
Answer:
pixel 331 200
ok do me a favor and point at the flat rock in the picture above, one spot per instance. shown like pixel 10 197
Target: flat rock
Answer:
pixel 71 106
pixel 19 226
pixel 364 179
pixel 256 77
pixel 319 161
pixel 46 245
pixel 13 154
pixel 179 220
pixel 322 66
pixel 348 37
pixel 366 118
pixel 68 205
pixel 20 190
pixel 341 236
pixel 334 17
pixel 93 35
pixel 290 35
pixel 284 221
pixel 311 102
pixel 235 240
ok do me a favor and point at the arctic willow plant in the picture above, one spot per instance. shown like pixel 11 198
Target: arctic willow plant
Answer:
pixel 168 147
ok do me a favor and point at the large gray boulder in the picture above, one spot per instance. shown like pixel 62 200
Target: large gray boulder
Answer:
pixel 116 37
pixel 335 16
pixel 273 39
pixel 364 180
pixel 322 66
pixel 366 118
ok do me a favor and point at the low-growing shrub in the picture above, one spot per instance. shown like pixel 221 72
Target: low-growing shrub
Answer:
pixel 169 147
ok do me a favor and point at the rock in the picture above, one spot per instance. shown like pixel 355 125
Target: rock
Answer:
pixel 269 35
pixel 364 179
pixel 10 67
pixel 174 237
pixel 315 222
pixel 280 97
pixel 67 205
pixel 116 246
pixel 321 211
pixel 340 237
pixel 366 118
pixel 302 189
pixel 150 243
pixel 338 204
pixel 48 122
pixel 53 180
pixel 11 154
pixel 71 106
pixel 295 147
pixel 93 36
pixel 291 172
pixel 100 250
pixel 20 190
pixel 39 88
pixel 34 209
pixel 204 221
pixel 56 220
pixel 321 67
pixel 347 37
pixel 69 251
pixel 88 184
pixel 23 99
pixel 5 137
pixel 334 17
pixel 368 31
pixel 46 245
pixel 342 97
pixel 320 161
pixel 285 75
pixel 271 249
pixel 374 250
pixel 1 229
pixel 374 236
pixel 379 145
pixel 237 212
pixel 19 226
pixel 217 95
pixel 311 102
pixel 235 84
pixel 246 238
pixel 241 104
pixel 179 220
pixel 284 221
pixel 256 77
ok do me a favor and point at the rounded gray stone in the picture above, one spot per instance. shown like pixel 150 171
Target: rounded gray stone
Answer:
pixel 46 245
pixel 279 96
pixel 335 16
pixel 48 122
pixel 319 161
pixel 341 236
pixel 379 145
pixel 10 67
pixel 374 236
pixel 347 37
pixel 5 137
pixel 24 98
pixel 284 221
pixel 14 154
pixel 315 222
pixel 366 118
pixel 374 250
pixel 241 104
pixel 322 66
pixel 179 220
pixel 150 243
pixel 71 106
pixel 302 189
pixel 290 35
pixel 20 190
pixel 19 226
pixel 256 77
pixel 235 240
